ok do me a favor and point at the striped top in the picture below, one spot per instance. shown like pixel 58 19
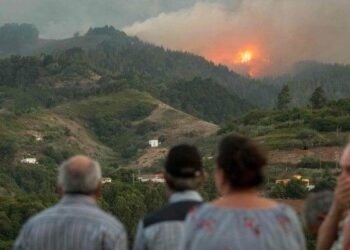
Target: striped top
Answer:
pixel 163 229
pixel 275 228
pixel 74 223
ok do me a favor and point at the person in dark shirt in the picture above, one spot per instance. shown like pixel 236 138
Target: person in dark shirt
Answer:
pixel 184 173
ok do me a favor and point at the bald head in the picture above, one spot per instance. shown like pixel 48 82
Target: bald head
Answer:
pixel 79 174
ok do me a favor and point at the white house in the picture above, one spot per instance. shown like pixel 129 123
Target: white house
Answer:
pixel 156 178
pixel 106 180
pixel 153 143
pixel 29 161
pixel 38 138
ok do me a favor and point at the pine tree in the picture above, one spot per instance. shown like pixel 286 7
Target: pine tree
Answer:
pixel 283 99
pixel 318 98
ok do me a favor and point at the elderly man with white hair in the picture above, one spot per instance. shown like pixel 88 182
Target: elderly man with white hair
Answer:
pixel 75 222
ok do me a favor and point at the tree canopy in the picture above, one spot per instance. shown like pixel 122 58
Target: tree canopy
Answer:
pixel 318 98
pixel 283 99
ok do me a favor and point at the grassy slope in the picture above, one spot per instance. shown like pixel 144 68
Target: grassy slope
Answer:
pixel 294 135
pixel 67 130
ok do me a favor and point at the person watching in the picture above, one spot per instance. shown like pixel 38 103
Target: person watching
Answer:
pixel 329 236
pixel 75 222
pixel 316 208
pixel 241 219
pixel 184 174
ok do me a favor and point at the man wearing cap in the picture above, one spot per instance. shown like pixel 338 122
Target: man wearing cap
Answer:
pixel 184 173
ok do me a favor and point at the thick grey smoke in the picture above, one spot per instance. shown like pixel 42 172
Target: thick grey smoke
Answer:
pixel 278 32
pixel 62 18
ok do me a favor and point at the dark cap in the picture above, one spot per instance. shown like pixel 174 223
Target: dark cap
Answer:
pixel 184 161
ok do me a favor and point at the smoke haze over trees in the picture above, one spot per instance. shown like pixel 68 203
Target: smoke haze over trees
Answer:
pixel 280 32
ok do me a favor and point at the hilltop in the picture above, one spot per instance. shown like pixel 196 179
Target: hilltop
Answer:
pixel 110 51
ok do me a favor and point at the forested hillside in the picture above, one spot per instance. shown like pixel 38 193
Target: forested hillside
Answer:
pixel 307 76
pixel 120 53
pixel 297 127
pixel 50 116
pixel 110 51
pixel 18 38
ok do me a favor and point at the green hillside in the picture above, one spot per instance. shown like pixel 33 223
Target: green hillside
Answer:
pixel 29 83
pixel 114 129
pixel 112 51
pixel 307 76
pixel 297 127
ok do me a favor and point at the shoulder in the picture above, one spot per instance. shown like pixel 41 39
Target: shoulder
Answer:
pixel 287 213
pixel 287 210
pixel 170 213
pixel 201 212
pixel 40 217
pixel 108 221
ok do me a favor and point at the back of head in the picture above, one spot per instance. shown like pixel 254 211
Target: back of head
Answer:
pixel 316 208
pixel 241 161
pixel 79 175
pixel 183 168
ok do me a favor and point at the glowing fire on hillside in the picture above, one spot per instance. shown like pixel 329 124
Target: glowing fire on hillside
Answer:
pixel 247 60
pixel 244 57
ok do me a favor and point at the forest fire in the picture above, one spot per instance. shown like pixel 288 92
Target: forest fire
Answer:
pixel 244 57
pixel 248 60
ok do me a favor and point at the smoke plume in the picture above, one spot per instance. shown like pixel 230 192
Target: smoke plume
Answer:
pixel 257 37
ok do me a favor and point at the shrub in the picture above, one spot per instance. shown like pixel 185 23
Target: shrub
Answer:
pixel 309 162
pixel 326 124
pixel 8 149
pixel 296 189
pixel 306 134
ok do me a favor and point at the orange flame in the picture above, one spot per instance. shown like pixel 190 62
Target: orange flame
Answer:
pixel 244 56
pixel 246 60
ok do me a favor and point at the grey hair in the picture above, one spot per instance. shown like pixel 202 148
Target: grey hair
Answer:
pixel 316 205
pixel 84 181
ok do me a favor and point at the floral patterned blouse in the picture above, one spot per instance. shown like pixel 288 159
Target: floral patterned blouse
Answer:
pixel 209 228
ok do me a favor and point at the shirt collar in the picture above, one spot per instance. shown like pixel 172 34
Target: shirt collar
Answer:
pixel 69 199
pixel 185 195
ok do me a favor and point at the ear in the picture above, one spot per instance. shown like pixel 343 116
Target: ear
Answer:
pixel 166 177
pixel 98 191
pixel 168 185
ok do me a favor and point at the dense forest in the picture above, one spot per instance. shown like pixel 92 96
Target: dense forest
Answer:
pixel 111 51
pixel 307 76
pixel 18 38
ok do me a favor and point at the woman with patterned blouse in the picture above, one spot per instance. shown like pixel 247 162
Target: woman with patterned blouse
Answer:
pixel 241 219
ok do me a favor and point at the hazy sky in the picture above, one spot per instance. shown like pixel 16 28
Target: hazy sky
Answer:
pixel 277 32
pixel 61 18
